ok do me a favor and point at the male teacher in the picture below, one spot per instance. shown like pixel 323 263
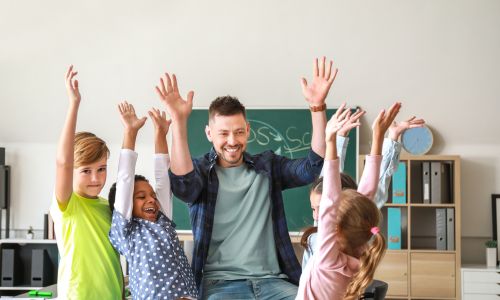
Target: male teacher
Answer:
pixel 242 249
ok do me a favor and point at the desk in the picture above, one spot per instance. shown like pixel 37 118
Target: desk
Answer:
pixel 480 282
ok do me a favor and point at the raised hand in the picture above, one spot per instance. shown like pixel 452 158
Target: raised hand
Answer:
pixel 129 119
pixel 323 77
pixel 396 129
pixel 160 121
pixel 336 122
pixel 384 120
pixel 178 108
pixel 351 123
pixel 72 86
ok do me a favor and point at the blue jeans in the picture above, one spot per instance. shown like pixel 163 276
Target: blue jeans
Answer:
pixel 259 289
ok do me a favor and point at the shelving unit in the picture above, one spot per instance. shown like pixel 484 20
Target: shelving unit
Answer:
pixel 23 249
pixel 419 270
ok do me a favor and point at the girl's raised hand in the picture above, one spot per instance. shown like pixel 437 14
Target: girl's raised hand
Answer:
pixel 384 120
pixel 336 122
pixel 72 86
pixel 129 119
pixel 396 129
pixel 351 123
pixel 160 121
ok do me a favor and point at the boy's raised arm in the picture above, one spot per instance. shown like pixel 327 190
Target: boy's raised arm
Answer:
pixel 179 110
pixel 315 93
pixel 65 147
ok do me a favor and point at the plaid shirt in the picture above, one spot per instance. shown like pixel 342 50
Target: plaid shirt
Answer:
pixel 199 189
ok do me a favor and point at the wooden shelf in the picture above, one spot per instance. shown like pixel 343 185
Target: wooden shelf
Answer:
pixel 418 271
pixel 451 205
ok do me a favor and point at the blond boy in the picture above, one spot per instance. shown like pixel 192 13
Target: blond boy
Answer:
pixel 89 267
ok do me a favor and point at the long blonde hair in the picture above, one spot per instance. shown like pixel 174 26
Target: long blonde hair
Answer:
pixel 356 216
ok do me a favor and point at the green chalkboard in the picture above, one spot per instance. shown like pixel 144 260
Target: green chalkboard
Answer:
pixel 285 131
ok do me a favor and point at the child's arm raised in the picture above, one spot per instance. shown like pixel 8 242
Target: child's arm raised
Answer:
pixel 391 150
pixel 128 158
pixel 162 161
pixel 369 180
pixel 331 191
pixel 65 148
pixel 343 135
pixel 315 94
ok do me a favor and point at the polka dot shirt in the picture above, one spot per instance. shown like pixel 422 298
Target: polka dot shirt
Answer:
pixel 158 267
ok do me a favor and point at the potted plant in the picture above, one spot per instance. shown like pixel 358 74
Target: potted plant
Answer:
pixel 30 234
pixel 491 253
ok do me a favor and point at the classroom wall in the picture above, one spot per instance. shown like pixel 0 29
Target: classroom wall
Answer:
pixel 439 57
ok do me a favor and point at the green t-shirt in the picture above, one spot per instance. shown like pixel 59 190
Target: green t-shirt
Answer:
pixel 89 267
pixel 242 244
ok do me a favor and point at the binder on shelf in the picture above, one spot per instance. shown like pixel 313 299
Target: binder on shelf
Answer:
pixel 399 184
pixel 440 182
pixel 426 181
pixel 441 243
pixel 10 268
pixel 41 268
pixel 394 228
pixel 450 229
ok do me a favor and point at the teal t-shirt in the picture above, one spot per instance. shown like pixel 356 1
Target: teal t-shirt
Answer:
pixel 242 244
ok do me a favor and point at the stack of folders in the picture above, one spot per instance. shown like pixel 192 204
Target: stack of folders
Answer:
pixel 445 229
pixel 399 179
pixel 437 185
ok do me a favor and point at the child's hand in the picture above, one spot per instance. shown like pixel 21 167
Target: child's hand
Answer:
pixel 129 118
pixel 178 108
pixel 316 92
pixel 351 123
pixel 336 122
pixel 396 129
pixel 384 120
pixel 72 86
pixel 160 121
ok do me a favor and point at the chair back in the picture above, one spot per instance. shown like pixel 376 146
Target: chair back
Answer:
pixel 375 291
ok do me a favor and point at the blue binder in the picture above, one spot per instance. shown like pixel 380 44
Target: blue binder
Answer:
pixel 399 184
pixel 394 228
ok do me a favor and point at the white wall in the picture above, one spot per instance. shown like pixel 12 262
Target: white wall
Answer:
pixel 439 57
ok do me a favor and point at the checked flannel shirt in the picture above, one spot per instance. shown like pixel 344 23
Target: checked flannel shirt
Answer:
pixel 199 189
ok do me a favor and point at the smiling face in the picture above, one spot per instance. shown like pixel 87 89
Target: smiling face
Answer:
pixel 88 180
pixel 229 136
pixel 145 202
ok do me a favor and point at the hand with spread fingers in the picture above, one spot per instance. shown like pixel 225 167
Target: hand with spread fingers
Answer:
pixel 385 119
pixel 351 123
pixel 316 91
pixel 128 117
pixel 336 122
pixel 160 121
pixel 168 91
pixel 396 129
pixel 382 122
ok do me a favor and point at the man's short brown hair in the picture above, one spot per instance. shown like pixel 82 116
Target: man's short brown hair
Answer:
pixel 88 149
pixel 226 106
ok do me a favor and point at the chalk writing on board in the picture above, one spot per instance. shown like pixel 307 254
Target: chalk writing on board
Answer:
pixel 291 142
